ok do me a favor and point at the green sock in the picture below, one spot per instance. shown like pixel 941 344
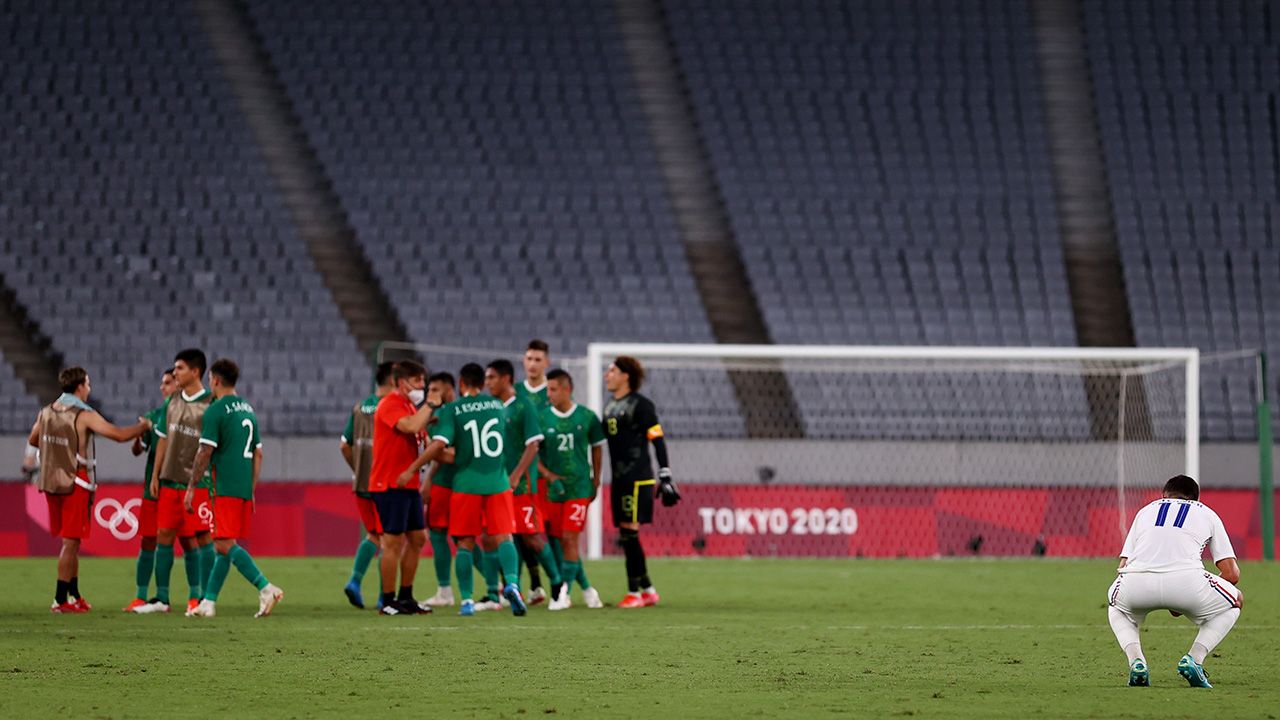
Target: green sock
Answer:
pixel 582 575
pixel 142 571
pixel 570 569
pixel 509 559
pixel 558 551
pixel 247 567
pixel 207 556
pixel 364 555
pixel 547 559
pixel 191 561
pixel 441 556
pixel 463 565
pixel 489 566
pixel 164 568
pixel 221 566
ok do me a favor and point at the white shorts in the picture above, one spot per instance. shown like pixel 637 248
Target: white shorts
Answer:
pixel 1195 593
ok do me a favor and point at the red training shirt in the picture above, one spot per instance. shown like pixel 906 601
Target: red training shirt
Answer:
pixel 393 451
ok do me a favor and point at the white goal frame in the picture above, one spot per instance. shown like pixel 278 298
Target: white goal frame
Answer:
pixel 598 353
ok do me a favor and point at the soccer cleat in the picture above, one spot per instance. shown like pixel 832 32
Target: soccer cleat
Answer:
pixel 421 608
pixel 192 604
pixel 134 604
pixel 205 610
pixel 155 606
pixel 561 600
pixel 83 605
pixel 391 608
pixel 592 598
pixel 487 603
pixel 632 600
pixel 442 598
pixel 468 608
pixel 1138 675
pixel 66 608
pixel 268 598
pixel 1193 672
pixel 352 591
pixel 650 597
pixel 512 594
pixel 537 596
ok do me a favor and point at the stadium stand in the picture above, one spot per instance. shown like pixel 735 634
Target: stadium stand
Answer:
pixel 885 169
pixel 16 406
pixel 1187 107
pixel 494 163
pixel 137 217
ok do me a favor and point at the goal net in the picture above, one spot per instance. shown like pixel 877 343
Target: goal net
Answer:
pixel 908 451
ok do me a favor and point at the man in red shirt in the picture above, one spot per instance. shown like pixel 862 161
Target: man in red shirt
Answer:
pixel 397 425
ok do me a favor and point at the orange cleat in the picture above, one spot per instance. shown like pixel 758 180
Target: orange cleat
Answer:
pixel 83 605
pixel 192 604
pixel 650 598
pixel 66 608
pixel 134 604
pixel 632 600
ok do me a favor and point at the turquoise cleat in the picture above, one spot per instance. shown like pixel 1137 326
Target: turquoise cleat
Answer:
pixel 513 596
pixel 468 608
pixel 1193 672
pixel 1138 675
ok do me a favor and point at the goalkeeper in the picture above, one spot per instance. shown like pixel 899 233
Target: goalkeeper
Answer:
pixel 631 424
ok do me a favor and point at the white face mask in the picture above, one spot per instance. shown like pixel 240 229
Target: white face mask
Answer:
pixel 417 396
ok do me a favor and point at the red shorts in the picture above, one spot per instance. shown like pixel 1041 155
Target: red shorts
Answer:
pixel 438 507
pixel 470 515
pixel 528 518
pixel 232 518
pixel 369 515
pixel 147 518
pixel 69 514
pixel 568 516
pixel 172 515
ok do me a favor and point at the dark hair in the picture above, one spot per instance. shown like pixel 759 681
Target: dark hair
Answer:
pixel 472 375
pixel 503 367
pixel 227 371
pixel 408 370
pixel 194 358
pixel 539 345
pixel 632 368
pixel 72 378
pixel 167 371
pixel 1181 486
pixel 384 372
pixel 444 377
pixel 559 374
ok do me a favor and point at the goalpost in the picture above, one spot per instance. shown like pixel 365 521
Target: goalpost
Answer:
pixel 909 451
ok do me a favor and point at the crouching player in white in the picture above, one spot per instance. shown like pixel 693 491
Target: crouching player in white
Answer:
pixel 1160 569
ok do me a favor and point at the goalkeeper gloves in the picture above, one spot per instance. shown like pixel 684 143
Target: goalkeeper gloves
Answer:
pixel 667 491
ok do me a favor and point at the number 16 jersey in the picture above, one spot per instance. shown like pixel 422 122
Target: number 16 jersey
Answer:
pixel 474 426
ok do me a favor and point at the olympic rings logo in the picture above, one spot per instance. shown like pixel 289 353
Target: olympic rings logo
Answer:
pixel 123 523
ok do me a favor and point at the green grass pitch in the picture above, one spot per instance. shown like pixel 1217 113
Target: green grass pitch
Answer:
pixel 732 638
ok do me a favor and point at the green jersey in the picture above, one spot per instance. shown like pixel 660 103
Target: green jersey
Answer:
pixel 473 427
pixel 180 423
pixel 444 475
pixel 231 429
pixel 358 435
pixel 522 428
pixel 149 439
pixel 568 437
pixel 537 396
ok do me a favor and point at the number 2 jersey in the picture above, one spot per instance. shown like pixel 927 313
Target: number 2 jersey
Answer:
pixel 231 429
pixel 1171 534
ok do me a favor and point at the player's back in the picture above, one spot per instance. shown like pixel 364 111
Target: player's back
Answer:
pixel 475 427
pixel 1171 534
pixel 231 428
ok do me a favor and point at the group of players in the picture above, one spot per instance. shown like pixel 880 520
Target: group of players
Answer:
pixel 193 436
pixel 510 472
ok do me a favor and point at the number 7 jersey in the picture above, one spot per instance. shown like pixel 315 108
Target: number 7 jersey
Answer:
pixel 474 426
pixel 230 427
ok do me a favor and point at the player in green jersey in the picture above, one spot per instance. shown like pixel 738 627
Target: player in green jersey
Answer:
pixel 357 450
pixel 537 358
pixel 437 490
pixel 147 511
pixel 573 480
pixel 230 440
pixel 481 501
pixel 521 423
